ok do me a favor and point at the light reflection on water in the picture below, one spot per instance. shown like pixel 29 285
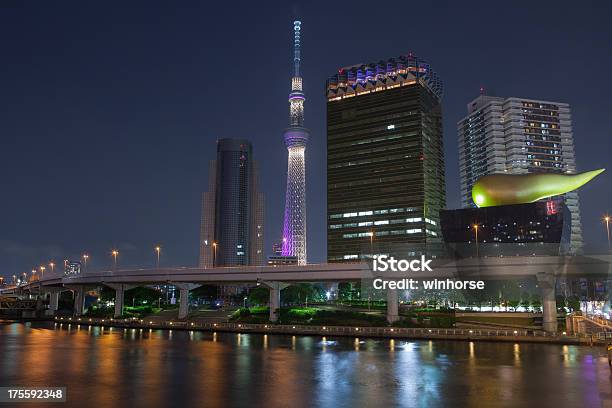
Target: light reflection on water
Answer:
pixel 157 368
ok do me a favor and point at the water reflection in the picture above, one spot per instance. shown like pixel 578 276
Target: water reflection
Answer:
pixel 157 368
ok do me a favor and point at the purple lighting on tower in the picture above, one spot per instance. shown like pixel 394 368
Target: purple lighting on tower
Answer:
pixel 296 138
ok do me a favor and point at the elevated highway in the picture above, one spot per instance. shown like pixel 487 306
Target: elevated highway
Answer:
pixel 546 269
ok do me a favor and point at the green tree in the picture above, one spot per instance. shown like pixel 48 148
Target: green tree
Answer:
pixel 560 299
pixel 573 302
pixel 476 297
pixel 259 296
pixel 205 292
pixel 141 295
pixel 300 293
pixel 345 291
pixel 536 304
pixel 107 294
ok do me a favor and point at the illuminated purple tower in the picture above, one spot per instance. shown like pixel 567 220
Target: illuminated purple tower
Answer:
pixel 296 138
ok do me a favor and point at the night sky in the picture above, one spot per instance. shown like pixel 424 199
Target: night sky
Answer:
pixel 109 111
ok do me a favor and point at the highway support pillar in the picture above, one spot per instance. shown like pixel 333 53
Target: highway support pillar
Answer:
pixel 79 298
pixel 184 289
pixel 120 289
pixel 392 306
pixel 54 301
pixel 546 282
pixel 275 290
pixel 54 293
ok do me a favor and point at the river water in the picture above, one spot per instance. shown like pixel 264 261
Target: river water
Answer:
pixel 143 368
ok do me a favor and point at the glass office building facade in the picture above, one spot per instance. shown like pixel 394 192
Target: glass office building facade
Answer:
pixel 232 214
pixel 385 163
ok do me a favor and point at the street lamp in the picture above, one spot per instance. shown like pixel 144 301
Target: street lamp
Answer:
pixel 371 244
pixel 245 299
pixel 42 271
pixel 607 219
pixel 214 244
pixel 114 253
pixel 52 265
pixel 85 258
pixel 158 251
pixel 475 226
pixel 14 278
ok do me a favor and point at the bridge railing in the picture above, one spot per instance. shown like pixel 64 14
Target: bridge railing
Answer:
pixel 598 320
pixel 607 335
pixel 331 330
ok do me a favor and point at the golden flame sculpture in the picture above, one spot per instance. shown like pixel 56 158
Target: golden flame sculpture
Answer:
pixel 506 189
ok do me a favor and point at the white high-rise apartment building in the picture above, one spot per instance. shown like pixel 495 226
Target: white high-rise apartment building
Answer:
pixel 516 136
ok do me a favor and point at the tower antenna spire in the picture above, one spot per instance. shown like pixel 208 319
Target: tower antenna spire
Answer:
pixel 297 26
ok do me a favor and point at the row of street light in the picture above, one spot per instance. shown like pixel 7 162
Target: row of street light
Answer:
pixel 85 257
pixel 157 250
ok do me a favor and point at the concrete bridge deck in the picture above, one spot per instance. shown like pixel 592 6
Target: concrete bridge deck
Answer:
pixel 546 269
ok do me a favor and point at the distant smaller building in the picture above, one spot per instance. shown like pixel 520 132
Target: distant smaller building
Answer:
pixel 232 222
pixel 277 248
pixel 540 228
pixel 282 260
pixel 72 268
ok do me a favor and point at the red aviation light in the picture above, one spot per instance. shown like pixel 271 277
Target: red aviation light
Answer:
pixel 551 208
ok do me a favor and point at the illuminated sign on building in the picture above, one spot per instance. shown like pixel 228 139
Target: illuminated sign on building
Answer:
pixel 72 268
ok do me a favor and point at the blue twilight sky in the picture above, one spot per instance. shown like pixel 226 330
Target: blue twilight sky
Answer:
pixel 109 111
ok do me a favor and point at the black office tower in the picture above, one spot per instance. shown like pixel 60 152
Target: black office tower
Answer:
pixel 385 161
pixel 232 209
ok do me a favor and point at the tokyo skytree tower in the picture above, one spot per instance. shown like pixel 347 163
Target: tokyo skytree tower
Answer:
pixel 296 138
